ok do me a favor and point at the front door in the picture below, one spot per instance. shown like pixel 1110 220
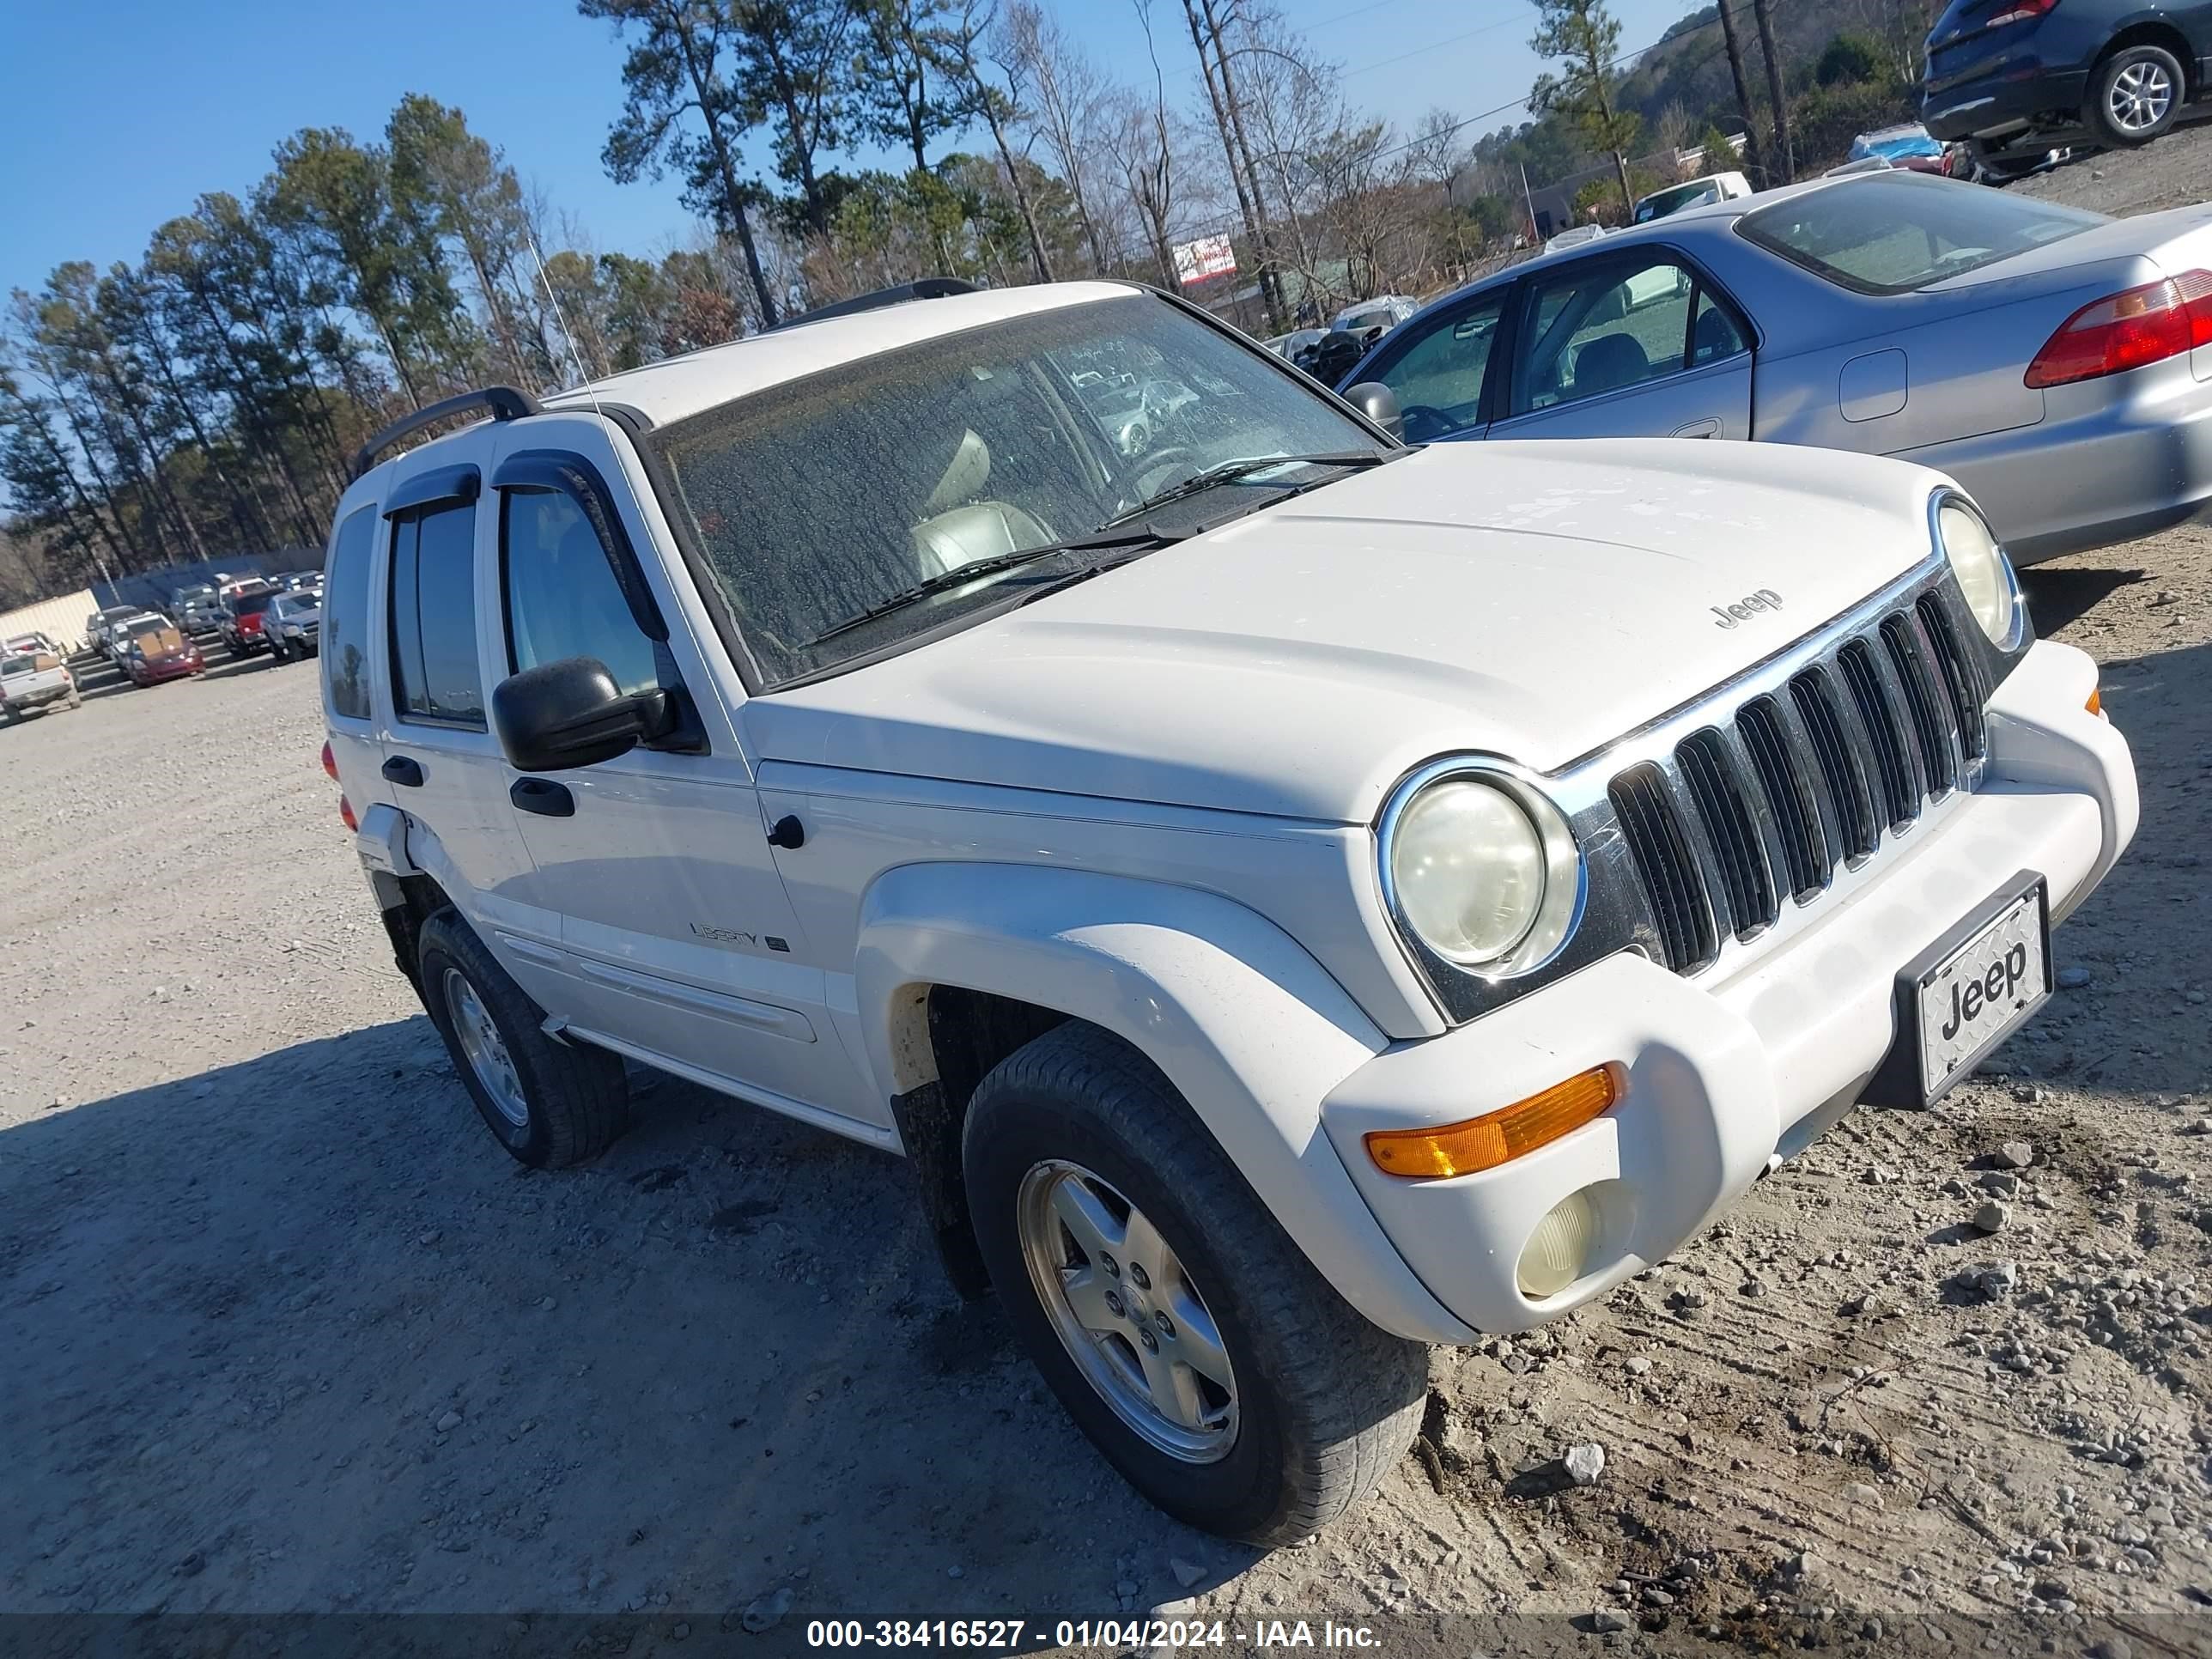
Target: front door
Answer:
pixel 678 943
pixel 1623 345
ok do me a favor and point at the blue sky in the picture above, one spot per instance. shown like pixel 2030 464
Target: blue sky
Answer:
pixel 113 118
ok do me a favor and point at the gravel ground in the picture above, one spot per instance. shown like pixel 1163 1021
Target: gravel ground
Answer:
pixel 281 1331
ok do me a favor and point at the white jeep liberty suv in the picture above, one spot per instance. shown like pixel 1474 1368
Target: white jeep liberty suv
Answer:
pixel 1293 898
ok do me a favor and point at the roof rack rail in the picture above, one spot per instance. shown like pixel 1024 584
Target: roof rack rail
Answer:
pixel 926 288
pixel 504 402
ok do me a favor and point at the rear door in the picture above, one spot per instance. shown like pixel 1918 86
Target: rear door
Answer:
pixel 677 940
pixel 1636 344
pixel 443 767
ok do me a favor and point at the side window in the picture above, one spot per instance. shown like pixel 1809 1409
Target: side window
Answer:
pixel 1438 379
pixel 436 675
pixel 1713 334
pixel 561 599
pixel 345 615
pixel 1603 326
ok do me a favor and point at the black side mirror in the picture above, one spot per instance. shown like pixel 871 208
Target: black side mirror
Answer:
pixel 571 713
pixel 1379 404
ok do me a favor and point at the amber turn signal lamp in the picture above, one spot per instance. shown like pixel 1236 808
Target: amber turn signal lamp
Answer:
pixel 1495 1138
pixel 2096 703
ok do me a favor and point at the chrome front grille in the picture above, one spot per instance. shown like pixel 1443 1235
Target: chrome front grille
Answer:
pixel 1756 809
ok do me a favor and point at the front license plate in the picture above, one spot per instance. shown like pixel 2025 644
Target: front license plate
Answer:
pixel 1974 993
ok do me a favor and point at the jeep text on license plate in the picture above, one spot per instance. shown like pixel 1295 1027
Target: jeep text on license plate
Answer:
pixel 1976 992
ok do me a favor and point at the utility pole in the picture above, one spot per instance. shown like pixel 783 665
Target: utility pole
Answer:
pixel 1754 152
pixel 1529 198
pixel 1763 11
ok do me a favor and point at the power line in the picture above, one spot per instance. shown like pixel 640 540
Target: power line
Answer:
pixel 1421 51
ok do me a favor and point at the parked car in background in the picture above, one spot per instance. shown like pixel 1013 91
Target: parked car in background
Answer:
pixel 30 644
pixel 293 624
pixel 1294 898
pixel 293 580
pixel 1691 192
pixel 1287 346
pixel 96 626
pixel 2017 78
pixel 1907 145
pixel 1573 237
pixel 34 680
pixel 117 640
pixel 159 651
pixel 1372 318
pixel 197 607
pixel 1327 358
pixel 244 609
pixel 2042 355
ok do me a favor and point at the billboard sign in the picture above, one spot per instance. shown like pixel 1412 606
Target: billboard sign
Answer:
pixel 1209 256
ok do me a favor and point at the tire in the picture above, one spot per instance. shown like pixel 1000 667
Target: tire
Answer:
pixel 2135 96
pixel 1324 1403
pixel 280 652
pixel 570 1103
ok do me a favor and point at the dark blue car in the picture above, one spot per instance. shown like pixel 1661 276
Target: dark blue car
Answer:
pixel 2016 78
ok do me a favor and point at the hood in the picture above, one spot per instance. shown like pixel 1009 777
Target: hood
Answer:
pixel 1533 600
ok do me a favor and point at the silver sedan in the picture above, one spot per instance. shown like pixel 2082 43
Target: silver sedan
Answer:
pixel 2057 363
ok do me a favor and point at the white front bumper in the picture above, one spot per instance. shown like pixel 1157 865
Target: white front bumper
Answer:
pixel 1730 1071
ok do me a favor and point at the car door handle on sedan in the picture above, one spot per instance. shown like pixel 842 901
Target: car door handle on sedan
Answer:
pixel 404 770
pixel 543 796
pixel 1708 428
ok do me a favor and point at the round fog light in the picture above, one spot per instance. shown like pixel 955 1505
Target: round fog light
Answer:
pixel 1558 1251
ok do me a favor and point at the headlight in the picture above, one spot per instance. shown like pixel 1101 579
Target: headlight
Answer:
pixel 1985 575
pixel 1480 869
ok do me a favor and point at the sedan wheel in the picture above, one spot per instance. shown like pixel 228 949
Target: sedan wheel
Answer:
pixel 2135 96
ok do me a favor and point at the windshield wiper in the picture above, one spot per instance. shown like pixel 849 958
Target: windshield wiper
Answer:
pixel 1230 471
pixel 960 575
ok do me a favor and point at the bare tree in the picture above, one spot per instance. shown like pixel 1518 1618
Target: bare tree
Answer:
pixel 1066 98
pixel 1229 121
pixel 1140 138
pixel 1000 107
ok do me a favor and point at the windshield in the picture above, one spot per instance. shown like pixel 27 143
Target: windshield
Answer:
pixel 1893 232
pixel 1674 200
pixel 250 605
pixel 194 595
pixel 1360 321
pixel 812 503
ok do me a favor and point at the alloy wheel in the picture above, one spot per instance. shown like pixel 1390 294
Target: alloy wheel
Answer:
pixel 1126 1311
pixel 2140 96
pixel 485 1049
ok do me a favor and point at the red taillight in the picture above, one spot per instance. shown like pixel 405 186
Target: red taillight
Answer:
pixel 330 763
pixel 2142 326
pixel 345 812
pixel 2020 12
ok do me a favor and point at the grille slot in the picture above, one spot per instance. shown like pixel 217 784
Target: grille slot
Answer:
pixel 1931 730
pixel 1765 801
pixel 1788 797
pixel 1653 829
pixel 1900 794
pixel 1841 768
pixel 1962 679
pixel 1710 771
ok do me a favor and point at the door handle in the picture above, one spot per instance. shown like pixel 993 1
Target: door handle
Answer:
pixel 543 796
pixel 404 769
pixel 1709 427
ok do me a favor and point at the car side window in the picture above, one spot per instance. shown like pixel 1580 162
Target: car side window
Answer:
pixel 1607 325
pixel 345 615
pixel 436 674
pixel 1439 378
pixel 562 598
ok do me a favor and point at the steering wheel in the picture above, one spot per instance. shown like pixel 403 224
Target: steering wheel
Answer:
pixel 1425 424
pixel 1161 460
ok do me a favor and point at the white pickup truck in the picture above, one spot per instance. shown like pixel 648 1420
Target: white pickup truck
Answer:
pixel 1291 898
pixel 36 680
